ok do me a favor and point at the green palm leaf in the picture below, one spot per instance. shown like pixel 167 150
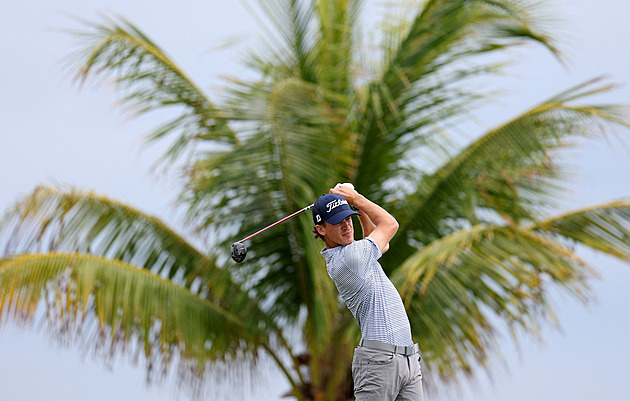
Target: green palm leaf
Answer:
pixel 509 171
pixel 424 82
pixel 338 21
pixel 456 285
pixel 96 227
pixel 441 33
pixel 150 81
pixel 78 221
pixel 129 304
pixel 604 227
pixel 82 222
pixel 290 41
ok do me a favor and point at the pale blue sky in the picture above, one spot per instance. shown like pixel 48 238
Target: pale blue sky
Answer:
pixel 52 133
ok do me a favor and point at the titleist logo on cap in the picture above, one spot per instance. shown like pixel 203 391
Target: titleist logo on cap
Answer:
pixel 331 208
pixel 337 202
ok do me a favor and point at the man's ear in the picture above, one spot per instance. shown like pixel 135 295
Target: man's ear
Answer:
pixel 321 229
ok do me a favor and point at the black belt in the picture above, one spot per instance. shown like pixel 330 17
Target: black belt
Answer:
pixel 397 349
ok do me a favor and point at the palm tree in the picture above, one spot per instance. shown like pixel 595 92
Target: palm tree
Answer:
pixel 477 245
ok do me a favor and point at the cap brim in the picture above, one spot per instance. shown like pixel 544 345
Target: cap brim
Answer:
pixel 339 217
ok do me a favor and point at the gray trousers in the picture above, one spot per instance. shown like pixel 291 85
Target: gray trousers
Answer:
pixel 386 376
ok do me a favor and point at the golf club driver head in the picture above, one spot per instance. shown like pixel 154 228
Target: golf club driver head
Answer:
pixel 239 252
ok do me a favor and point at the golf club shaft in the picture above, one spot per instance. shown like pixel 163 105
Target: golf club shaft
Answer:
pixel 277 222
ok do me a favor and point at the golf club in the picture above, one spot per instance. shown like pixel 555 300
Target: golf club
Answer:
pixel 239 250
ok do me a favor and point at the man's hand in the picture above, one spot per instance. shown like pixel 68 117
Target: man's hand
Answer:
pixel 347 191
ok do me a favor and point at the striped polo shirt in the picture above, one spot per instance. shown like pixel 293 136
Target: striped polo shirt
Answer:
pixel 368 292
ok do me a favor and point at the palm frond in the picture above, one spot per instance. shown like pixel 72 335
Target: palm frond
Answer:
pixel 112 305
pixel 604 227
pixel 455 287
pixel 445 32
pixel 338 21
pixel 71 220
pixel 149 80
pixel 50 220
pixel 426 82
pixel 509 170
pixel 96 227
pixel 290 44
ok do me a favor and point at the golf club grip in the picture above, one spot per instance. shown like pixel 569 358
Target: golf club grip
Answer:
pixel 277 222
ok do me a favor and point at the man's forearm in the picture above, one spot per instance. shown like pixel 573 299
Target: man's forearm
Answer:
pixel 374 214
pixel 367 225
pixel 374 217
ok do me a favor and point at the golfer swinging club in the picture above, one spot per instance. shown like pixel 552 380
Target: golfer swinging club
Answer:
pixel 386 363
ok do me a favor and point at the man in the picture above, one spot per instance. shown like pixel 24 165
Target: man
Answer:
pixel 386 363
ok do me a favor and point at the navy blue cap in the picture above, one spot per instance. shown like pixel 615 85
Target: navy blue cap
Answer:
pixel 331 208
